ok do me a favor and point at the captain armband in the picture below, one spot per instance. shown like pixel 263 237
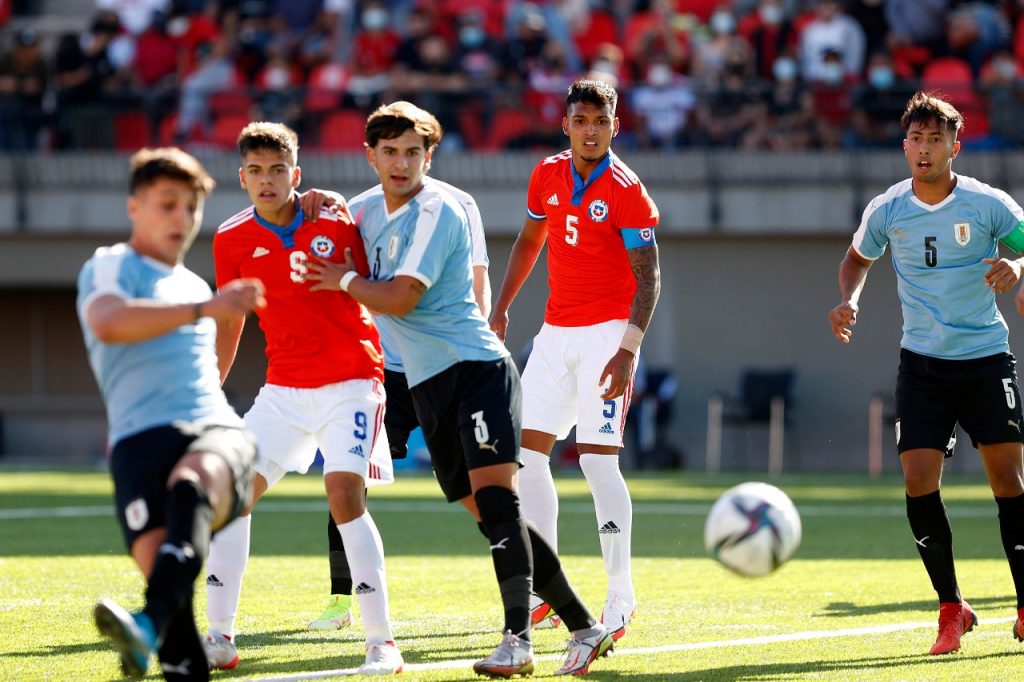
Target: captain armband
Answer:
pixel 636 237
pixel 1015 240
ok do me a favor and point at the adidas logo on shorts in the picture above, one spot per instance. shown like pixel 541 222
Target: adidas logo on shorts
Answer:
pixel 213 581
pixel 607 428
pixel 357 450
pixel 363 588
pixel 609 527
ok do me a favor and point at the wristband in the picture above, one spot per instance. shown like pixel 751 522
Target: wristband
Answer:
pixel 347 278
pixel 631 339
pixel 197 311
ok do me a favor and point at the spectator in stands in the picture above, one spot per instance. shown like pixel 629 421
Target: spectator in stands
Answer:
pixel 1003 88
pixel 559 17
pixel 663 105
pixel 789 123
pixel 975 31
pixel 85 75
pixel 23 78
pixel 158 63
pixel 878 104
pixel 658 31
pixel 135 16
pixel 595 28
pixel 420 25
pixel 279 85
pixel 434 83
pixel 609 65
pixel 732 108
pixel 478 58
pixel 770 33
pixel 835 31
pixel 525 48
pixel 373 55
pixel 917 31
pixel 215 72
pixel 833 101
pixel 710 56
pixel 870 14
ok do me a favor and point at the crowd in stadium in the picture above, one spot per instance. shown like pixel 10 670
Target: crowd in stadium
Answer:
pixel 749 74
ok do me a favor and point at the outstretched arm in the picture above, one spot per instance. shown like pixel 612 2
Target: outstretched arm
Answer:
pixel 853 272
pixel 520 264
pixel 646 270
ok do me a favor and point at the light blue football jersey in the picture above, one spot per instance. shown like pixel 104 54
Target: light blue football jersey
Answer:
pixel 392 359
pixel 427 238
pixel 948 312
pixel 169 378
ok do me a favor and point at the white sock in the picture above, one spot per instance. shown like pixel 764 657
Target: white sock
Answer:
pixel 229 554
pixel 614 519
pixel 538 499
pixel 366 560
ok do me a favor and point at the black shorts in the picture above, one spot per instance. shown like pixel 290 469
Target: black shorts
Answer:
pixel 400 415
pixel 471 415
pixel 933 394
pixel 141 464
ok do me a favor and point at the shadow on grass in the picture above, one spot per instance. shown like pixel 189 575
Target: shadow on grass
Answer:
pixel 1006 604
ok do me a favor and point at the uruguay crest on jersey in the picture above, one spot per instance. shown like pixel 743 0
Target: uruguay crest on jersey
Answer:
pixel 962 233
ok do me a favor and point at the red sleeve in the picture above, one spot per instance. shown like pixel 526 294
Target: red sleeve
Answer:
pixel 355 242
pixel 534 201
pixel 637 209
pixel 224 262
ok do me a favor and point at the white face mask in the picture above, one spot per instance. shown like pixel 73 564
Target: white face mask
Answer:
pixel 659 75
pixel 277 78
pixel 771 14
pixel 604 66
pixel 375 19
pixel 1006 68
pixel 784 69
pixel 177 27
pixel 722 23
pixel 832 73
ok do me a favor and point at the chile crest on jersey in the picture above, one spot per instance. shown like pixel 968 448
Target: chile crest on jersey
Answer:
pixel 322 246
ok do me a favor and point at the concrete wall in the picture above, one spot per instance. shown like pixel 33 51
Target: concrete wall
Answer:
pixel 747 282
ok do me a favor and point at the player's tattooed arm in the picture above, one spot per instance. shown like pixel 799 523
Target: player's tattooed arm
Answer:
pixel 644 263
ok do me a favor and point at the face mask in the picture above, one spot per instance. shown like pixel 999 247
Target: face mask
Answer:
pixel 784 69
pixel 832 73
pixel 277 78
pixel 659 75
pixel 375 19
pixel 771 14
pixel 881 77
pixel 722 23
pixel 472 36
pixel 604 66
pixel 1006 68
pixel 177 27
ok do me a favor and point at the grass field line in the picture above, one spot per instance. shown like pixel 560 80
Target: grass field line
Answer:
pixel 647 651
pixel 439 507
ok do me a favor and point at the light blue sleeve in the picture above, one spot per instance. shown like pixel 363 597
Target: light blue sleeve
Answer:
pixel 1007 220
pixel 871 237
pixel 107 272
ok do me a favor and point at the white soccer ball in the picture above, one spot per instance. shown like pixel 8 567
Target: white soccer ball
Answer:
pixel 752 529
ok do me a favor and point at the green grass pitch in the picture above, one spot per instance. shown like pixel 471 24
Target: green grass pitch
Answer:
pixel 854 604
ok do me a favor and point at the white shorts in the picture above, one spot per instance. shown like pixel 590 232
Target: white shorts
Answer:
pixel 343 420
pixel 560 383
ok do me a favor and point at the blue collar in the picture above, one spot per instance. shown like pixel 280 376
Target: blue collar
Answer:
pixel 578 187
pixel 287 233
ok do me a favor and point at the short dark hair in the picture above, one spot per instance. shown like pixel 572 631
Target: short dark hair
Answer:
pixel 151 164
pixel 924 107
pixel 392 120
pixel 595 92
pixel 276 137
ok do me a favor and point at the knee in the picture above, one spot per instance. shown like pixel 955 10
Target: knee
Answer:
pixel 347 498
pixel 496 504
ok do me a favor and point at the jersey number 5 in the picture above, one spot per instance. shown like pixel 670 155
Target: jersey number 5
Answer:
pixel 931 254
pixel 297 259
pixel 572 233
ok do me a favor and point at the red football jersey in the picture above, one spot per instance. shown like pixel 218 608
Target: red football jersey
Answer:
pixel 588 271
pixel 313 338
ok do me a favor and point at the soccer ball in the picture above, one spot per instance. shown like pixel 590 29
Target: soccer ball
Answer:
pixel 752 529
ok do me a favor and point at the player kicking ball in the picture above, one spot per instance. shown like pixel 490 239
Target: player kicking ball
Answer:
pixel 181 461
pixel 324 385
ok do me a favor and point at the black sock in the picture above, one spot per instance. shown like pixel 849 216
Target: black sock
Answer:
pixel 182 656
pixel 934 539
pixel 551 585
pixel 180 558
pixel 341 574
pixel 510 550
pixel 1011 528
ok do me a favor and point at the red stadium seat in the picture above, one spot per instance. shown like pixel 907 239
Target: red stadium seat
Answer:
pixel 226 128
pixel 343 131
pixel 326 83
pixel 232 101
pixel 952 79
pixel 507 125
pixel 131 131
